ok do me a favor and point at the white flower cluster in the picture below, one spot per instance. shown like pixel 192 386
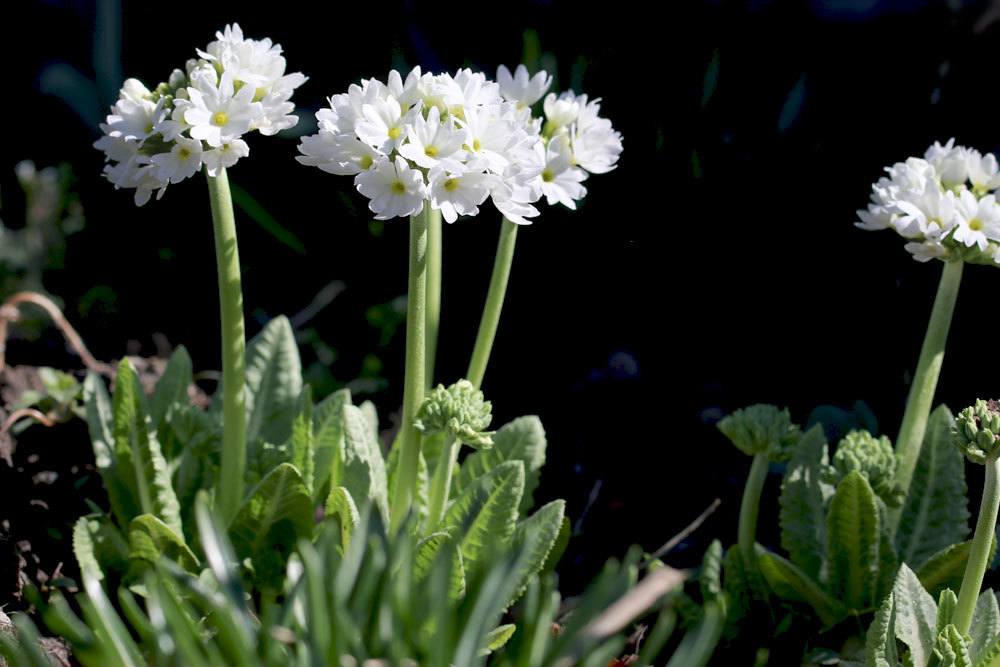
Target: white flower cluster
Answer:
pixel 454 141
pixel 199 116
pixel 943 203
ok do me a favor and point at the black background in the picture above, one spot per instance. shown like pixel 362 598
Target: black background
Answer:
pixel 716 267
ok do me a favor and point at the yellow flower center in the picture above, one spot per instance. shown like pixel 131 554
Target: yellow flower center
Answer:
pixel 395 133
pixel 548 176
pixel 975 224
pixel 398 188
pixel 477 145
pixel 259 94
pixel 365 161
pixel 184 153
pixel 430 151
pixel 451 184
pixel 220 118
pixel 149 128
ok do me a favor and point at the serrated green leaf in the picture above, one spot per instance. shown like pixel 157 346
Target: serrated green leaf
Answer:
pixel 534 538
pixel 804 496
pixel 149 540
pixel 989 655
pixel 273 382
pixel 985 623
pixel 137 447
pixel 485 515
pixel 853 534
pixel 936 512
pixel 880 645
pixel 520 440
pixel 428 550
pixel 559 548
pixel 952 649
pixel 328 435
pixel 98 546
pixel 359 466
pixel 172 387
pixel 371 416
pixel 498 637
pixel 340 506
pixel 277 513
pixel 946 568
pixel 888 563
pixel 947 601
pixel 710 576
pixel 916 615
pixel 790 583
pixel 115 477
pixel 301 444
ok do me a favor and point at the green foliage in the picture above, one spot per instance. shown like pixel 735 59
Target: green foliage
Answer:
pixel 854 528
pixel 873 458
pixel 977 431
pixel 880 646
pixel 520 440
pixel 804 497
pixel 762 429
pixel 460 412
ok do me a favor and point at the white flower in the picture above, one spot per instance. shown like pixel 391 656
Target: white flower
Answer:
pixel 431 143
pixel 562 110
pixel 521 88
pixel 489 136
pixel 596 145
pixel 224 156
pixel 337 154
pixel 561 181
pixel 978 220
pixel 459 194
pixel 927 213
pixel 384 124
pixel 515 211
pixel 924 251
pixel 134 119
pixel 219 114
pixel 983 171
pixel 951 163
pixel 395 190
pixel 183 160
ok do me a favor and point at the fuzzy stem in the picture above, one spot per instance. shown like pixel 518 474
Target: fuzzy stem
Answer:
pixel 979 555
pixel 919 402
pixel 494 303
pixel 433 292
pixel 230 490
pixel 441 483
pixel 747 534
pixel 413 382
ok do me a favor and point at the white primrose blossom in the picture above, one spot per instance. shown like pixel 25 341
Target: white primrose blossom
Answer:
pixel 943 204
pixel 197 118
pixel 453 141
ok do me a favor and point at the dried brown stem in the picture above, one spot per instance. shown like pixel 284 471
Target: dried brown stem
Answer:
pixel 683 535
pixel 30 413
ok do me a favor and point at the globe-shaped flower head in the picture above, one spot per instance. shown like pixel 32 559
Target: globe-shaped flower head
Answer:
pixel 762 429
pixel 460 412
pixel 874 458
pixel 977 429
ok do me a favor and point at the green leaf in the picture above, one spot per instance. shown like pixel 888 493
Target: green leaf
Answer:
pixel 341 507
pixel 149 540
pixel 273 382
pixel 951 648
pixel 534 539
pixel 916 615
pixel 804 496
pixel 136 446
pixel 947 602
pixel 559 548
pixel 371 416
pixel 276 514
pixel 115 476
pixel 328 435
pixel 880 646
pixel 98 546
pixel 499 636
pixel 985 623
pixel 360 467
pixel 935 514
pixel 302 443
pixel 428 550
pixel 710 576
pixel 172 387
pixel 989 655
pixel 520 440
pixel 888 562
pixel 485 515
pixel 853 532
pixel 946 568
pixel 790 583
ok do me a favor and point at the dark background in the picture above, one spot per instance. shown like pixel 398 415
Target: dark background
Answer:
pixel 716 267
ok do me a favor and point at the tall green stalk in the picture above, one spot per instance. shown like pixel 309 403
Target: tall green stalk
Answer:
pixel 919 402
pixel 979 555
pixel 433 291
pixel 414 382
pixel 750 507
pixel 494 303
pixel 229 493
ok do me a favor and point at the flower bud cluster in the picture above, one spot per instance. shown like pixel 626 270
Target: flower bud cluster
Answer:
pixel 762 429
pixel 874 458
pixel 458 411
pixel 977 429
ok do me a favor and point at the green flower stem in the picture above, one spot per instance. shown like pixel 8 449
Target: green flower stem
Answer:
pixel 413 383
pixel 433 292
pixel 494 303
pixel 747 535
pixel 227 257
pixel 441 482
pixel 979 555
pixel 918 404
